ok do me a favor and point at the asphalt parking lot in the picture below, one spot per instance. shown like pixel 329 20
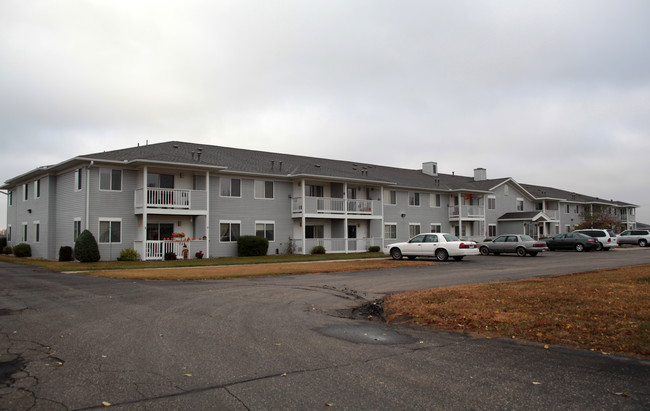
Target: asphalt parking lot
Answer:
pixel 76 342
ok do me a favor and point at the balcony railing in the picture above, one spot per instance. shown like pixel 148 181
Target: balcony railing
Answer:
pixel 327 205
pixel 465 211
pixel 177 199
pixel 336 245
pixel 156 250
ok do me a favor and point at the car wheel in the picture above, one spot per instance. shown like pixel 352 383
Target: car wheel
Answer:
pixel 396 254
pixel 458 257
pixel 643 243
pixel 521 251
pixel 484 250
pixel 410 257
pixel 442 254
pixel 580 248
pixel 533 253
pixel 599 246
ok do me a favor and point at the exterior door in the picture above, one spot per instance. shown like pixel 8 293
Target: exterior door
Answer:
pixel 352 237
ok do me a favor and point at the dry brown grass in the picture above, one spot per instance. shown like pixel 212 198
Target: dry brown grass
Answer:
pixel 605 311
pixel 220 272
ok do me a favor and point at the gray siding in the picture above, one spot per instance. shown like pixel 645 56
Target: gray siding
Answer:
pixel 424 214
pixel 70 204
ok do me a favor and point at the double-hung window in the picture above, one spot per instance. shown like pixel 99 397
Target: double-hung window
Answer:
pixel 492 203
pixel 11 198
pixel 24 232
pixel 37 231
pixel 37 188
pixel 435 200
pixel 414 199
pixel 25 192
pixel 436 228
pixel 9 233
pixel 414 229
pixel 390 231
pixel 230 187
pixel 110 230
pixel 264 189
pixel 265 229
pixel 229 231
pixel 78 179
pixel 76 229
pixel 520 204
pixel 110 179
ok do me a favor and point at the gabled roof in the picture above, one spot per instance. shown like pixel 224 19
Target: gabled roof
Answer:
pixel 524 216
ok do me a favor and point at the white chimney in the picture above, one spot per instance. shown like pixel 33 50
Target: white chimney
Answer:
pixel 480 174
pixel 430 168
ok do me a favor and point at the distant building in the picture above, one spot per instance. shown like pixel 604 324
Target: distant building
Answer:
pixel 166 197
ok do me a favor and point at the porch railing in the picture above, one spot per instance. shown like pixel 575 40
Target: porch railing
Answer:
pixel 156 250
pixel 328 205
pixel 152 197
pixel 466 211
pixel 336 245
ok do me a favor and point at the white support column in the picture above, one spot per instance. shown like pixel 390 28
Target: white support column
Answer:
pixel 303 219
pixel 460 216
pixel 345 220
pixel 145 203
pixel 207 216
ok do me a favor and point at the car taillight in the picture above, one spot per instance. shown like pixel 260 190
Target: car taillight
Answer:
pixel 609 240
pixel 591 240
pixel 463 245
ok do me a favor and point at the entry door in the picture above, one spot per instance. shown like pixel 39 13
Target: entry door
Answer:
pixel 352 235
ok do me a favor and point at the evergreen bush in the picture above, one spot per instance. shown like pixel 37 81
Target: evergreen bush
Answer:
pixel 250 245
pixel 85 248
pixel 23 250
pixel 129 254
pixel 6 250
pixel 3 242
pixel 319 249
pixel 170 256
pixel 65 253
pixel 374 249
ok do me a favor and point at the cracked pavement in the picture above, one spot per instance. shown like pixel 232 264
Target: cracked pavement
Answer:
pixel 74 342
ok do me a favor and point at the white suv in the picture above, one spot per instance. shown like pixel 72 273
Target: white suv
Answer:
pixel 640 237
pixel 606 238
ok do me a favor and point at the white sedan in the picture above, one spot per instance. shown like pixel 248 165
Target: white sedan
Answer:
pixel 438 245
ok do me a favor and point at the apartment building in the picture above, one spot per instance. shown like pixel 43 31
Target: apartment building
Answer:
pixel 166 197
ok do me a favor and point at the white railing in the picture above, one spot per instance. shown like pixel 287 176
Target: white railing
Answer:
pixel 336 245
pixel 156 250
pixel 328 205
pixel 152 197
pixel 552 214
pixel 467 211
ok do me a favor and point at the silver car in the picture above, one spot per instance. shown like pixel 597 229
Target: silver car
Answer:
pixel 512 243
pixel 640 237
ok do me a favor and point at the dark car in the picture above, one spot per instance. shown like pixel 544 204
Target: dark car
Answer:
pixel 572 241
pixel 512 243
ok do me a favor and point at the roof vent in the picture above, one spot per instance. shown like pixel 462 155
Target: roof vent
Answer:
pixel 480 174
pixel 430 168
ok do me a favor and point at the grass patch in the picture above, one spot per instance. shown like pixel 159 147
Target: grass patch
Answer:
pixel 63 266
pixel 606 311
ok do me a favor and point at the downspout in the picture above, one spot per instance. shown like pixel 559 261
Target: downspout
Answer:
pixel 92 162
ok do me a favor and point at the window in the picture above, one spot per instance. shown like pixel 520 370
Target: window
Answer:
pixel 313 191
pixel 577 209
pixel 435 200
pixel 9 233
pixel 24 232
pixel 492 203
pixel 25 192
pixel 264 189
pixel 414 199
pixel 391 197
pixel 436 228
pixel 229 231
pixel 230 187
pixel 314 231
pixel 567 209
pixel 160 180
pixel 37 187
pixel 492 230
pixel 414 229
pixel 110 230
pixel 568 228
pixel 390 231
pixel 265 229
pixel 37 231
pixel 110 179
pixel 78 179
pixel 76 228
pixel 11 198
pixel 539 206
pixel 520 204
pixel 506 190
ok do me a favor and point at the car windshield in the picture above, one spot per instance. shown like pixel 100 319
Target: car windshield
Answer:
pixel 450 237
pixel 527 238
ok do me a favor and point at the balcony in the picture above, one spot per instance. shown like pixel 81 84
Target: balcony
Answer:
pixel 170 201
pixel 466 212
pixel 156 250
pixel 326 206
pixel 337 245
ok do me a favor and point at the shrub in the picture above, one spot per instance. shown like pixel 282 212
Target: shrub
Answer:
pixel 3 242
pixel 128 254
pixel 374 249
pixel 250 245
pixel 319 249
pixel 65 253
pixel 199 254
pixel 85 248
pixel 6 250
pixel 170 256
pixel 23 250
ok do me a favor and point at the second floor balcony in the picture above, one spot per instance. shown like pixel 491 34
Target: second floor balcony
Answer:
pixel 466 212
pixel 320 206
pixel 168 200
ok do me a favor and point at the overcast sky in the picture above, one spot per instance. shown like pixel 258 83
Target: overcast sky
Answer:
pixel 551 93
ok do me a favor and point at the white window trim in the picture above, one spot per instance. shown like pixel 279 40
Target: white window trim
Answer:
pixel 110 183
pixel 491 197
pixel 387 197
pixel 11 198
pixel 415 225
pixel 78 177
pixel 419 199
pixel 26 192
pixel 265 222
pixel 74 221
pixel 229 222
pixel 396 234
pixel 520 200
pixel 109 220
pixel 437 224
pixel 495 229
pixel 229 179
pixel 37 238
pixel 37 188
pixel 24 232
pixel 432 200
pixel 263 188
pixel 9 233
